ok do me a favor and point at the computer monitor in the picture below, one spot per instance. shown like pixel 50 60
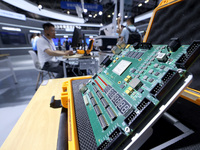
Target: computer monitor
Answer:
pixel 76 39
pixel 12 38
pixel 55 40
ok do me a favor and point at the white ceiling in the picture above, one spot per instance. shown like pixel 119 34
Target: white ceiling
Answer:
pixel 27 6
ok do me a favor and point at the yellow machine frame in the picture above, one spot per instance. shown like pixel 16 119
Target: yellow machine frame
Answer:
pixel 68 102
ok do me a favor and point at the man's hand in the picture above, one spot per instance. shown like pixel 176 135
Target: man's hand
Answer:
pixel 69 52
pixel 118 20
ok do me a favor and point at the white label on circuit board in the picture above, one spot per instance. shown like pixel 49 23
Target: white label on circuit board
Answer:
pixel 121 67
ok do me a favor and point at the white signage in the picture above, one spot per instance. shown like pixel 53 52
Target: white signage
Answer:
pixel 13 15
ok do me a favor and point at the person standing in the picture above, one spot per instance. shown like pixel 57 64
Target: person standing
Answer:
pixel 130 29
pixel 67 44
pixel 47 53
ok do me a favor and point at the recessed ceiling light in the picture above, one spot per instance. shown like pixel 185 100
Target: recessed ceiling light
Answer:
pixel 40 7
pixel 109 16
pixel 140 4
pixel 146 1
pixel 85 10
pixel 100 13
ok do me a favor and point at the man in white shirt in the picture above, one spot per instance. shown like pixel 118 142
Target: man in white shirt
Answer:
pixel 47 51
pixel 130 27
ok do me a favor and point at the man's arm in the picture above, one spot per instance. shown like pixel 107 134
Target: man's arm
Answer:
pixel 122 34
pixel 58 53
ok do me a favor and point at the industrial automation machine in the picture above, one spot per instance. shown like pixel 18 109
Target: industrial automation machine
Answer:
pixel 115 108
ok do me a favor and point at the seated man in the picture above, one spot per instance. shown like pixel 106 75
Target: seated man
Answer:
pixel 47 51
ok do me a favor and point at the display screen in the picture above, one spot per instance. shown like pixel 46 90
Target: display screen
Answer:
pixel 12 38
pixel 56 40
pixel 87 40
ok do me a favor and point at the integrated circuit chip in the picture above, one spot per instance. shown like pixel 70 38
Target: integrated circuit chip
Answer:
pixel 97 110
pixel 122 86
pixel 135 83
pixel 104 102
pixel 103 122
pixel 99 95
pixel 111 113
pixel 93 101
pixel 121 67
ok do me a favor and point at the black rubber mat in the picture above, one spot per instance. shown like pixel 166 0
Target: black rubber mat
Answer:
pixel 85 133
pixel 181 20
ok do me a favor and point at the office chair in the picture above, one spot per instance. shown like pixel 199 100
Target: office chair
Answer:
pixel 37 66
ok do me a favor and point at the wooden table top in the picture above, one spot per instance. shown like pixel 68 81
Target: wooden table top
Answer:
pixel 37 128
pixel 3 55
pixel 79 56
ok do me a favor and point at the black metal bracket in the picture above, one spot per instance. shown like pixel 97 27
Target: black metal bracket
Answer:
pixel 55 103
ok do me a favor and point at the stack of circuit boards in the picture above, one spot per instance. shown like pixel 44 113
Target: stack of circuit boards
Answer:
pixel 130 85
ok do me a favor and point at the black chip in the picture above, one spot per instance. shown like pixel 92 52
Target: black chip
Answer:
pixel 148 63
pixel 133 70
pixel 111 113
pixel 145 77
pixel 122 86
pixel 127 53
pixel 90 95
pixel 151 71
pixel 134 55
pixel 145 68
pixel 95 89
pixel 140 90
pixel 141 71
pixel 104 102
pixel 139 55
pixel 151 80
pixel 137 76
pixel 102 122
pixel 162 67
pixel 97 110
pixel 99 95
pixel 156 65
pixel 157 73
pixel 93 101
pixel 131 54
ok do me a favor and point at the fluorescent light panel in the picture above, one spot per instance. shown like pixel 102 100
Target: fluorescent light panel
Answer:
pixel 34 31
pixel 11 29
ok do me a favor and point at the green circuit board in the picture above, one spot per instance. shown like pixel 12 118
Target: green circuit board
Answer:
pixel 130 85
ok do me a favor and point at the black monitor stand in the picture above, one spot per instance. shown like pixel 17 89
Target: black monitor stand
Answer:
pixel 85 53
